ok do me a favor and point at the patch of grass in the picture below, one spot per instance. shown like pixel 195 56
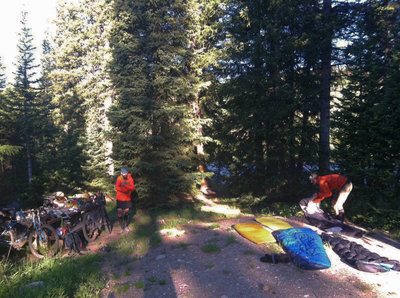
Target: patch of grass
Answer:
pixel 249 252
pixel 363 287
pixel 127 273
pixel 143 246
pixel 121 288
pixel 211 248
pixel 175 218
pixel 183 245
pixel 116 276
pixel 210 266
pixel 212 227
pixel 194 231
pixel 152 279
pixel 231 239
pixel 62 277
pixel 139 285
pixel 162 282
pixel 226 271
pixel 282 209
pixel 133 243
pixel 155 240
pixel 395 234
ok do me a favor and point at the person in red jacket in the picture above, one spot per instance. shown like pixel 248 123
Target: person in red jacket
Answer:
pixel 334 182
pixel 124 187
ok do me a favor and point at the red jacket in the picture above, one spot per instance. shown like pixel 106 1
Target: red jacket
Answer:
pixel 124 188
pixel 327 184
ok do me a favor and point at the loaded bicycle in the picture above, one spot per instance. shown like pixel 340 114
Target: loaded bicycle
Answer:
pixel 27 227
pixel 97 218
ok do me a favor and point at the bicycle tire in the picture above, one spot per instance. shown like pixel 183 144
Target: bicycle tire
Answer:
pixel 8 237
pixel 107 222
pixel 48 245
pixel 90 229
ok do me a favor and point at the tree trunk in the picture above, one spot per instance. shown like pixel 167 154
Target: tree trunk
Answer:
pixel 28 158
pixel 326 52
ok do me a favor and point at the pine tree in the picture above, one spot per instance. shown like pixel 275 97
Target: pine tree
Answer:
pixel 152 135
pixel 69 110
pixel 25 92
pixel 83 90
pixel 2 76
pixel 263 117
pixel 7 151
pixel 204 30
pixel 98 91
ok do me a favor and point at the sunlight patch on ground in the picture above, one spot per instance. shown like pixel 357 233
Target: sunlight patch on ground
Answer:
pixel 210 206
pixel 221 209
pixel 172 232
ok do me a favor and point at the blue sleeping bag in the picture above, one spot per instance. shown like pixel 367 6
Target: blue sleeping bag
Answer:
pixel 305 248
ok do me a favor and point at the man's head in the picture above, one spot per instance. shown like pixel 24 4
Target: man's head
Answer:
pixel 124 173
pixel 313 178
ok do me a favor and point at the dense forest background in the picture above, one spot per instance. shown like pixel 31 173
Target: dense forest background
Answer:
pixel 246 97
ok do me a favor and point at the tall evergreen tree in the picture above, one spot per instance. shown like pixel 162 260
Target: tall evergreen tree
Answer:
pixel 45 149
pixel 326 74
pixel 25 92
pixel 83 90
pixel 269 96
pixel 204 31
pixel 69 113
pixel 98 91
pixel 7 151
pixel 152 135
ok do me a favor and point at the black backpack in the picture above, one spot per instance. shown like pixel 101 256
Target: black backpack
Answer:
pixel 73 242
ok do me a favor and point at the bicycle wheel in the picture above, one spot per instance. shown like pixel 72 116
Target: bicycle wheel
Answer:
pixel 107 222
pixel 44 242
pixel 90 228
pixel 7 239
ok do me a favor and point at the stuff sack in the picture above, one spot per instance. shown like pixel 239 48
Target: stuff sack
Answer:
pixel 73 242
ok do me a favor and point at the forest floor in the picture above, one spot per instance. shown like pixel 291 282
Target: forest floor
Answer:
pixel 210 259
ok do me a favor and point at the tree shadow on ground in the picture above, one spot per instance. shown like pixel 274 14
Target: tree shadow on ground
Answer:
pixel 209 260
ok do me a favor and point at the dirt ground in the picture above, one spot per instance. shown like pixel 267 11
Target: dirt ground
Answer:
pixel 178 267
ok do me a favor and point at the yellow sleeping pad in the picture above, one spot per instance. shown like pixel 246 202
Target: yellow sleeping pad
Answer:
pixel 254 232
pixel 273 223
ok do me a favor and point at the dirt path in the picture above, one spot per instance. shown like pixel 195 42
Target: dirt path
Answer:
pixel 178 267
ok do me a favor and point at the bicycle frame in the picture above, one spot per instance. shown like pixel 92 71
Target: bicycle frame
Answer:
pixel 36 225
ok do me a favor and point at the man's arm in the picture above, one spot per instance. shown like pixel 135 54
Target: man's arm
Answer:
pixel 130 184
pixel 120 186
pixel 325 192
